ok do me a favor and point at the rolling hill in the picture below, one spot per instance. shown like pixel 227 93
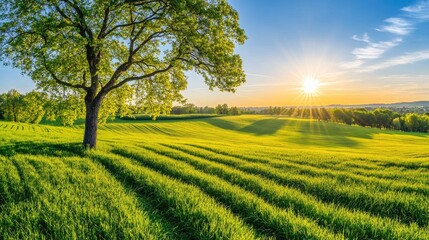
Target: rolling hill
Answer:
pixel 236 177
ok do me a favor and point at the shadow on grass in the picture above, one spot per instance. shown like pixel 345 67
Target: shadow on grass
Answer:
pixel 48 149
pixel 224 124
pixel 267 126
pixel 264 127
pixel 304 132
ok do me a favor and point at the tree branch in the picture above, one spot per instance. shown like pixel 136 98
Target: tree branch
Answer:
pixel 59 81
pixel 130 79
pixel 105 22
pixel 152 17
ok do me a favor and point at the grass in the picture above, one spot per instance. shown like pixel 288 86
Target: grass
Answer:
pixel 235 177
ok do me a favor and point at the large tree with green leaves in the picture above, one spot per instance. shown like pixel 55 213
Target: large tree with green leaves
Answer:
pixel 96 47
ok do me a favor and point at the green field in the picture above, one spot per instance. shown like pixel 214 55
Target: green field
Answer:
pixel 237 177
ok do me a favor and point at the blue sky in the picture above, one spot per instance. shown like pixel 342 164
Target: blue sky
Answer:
pixel 361 51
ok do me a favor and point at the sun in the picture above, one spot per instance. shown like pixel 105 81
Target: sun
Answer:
pixel 310 85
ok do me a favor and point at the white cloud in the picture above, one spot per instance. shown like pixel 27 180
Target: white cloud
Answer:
pixel 374 50
pixel 400 26
pixel 364 38
pixel 397 26
pixel 419 11
pixel 407 58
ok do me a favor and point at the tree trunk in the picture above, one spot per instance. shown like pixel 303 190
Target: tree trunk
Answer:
pixel 91 123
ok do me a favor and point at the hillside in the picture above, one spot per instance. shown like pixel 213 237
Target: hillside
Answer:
pixel 237 177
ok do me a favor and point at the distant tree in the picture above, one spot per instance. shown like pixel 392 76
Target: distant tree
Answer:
pixel 323 114
pixel 416 123
pixel 397 124
pixel 96 47
pixel 13 106
pixel 412 122
pixel 221 109
pixel 383 118
pixel 208 110
pixel 234 111
pixel 341 115
pixel 33 106
pixel 2 101
pixel 66 109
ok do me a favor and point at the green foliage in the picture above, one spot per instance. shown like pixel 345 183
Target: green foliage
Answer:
pixel 234 111
pixel 342 115
pixel 34 106
pixel 222 109
pixel 397 123
pixel 100 46
pixel 13 108
pixel 416 123
pixel 379 118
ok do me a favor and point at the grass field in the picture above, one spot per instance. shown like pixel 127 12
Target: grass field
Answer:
pixel 237 177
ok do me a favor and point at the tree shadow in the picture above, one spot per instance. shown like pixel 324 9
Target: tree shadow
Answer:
pixel 48 149
pixel 327 134
pixel 224 124
pixel 264 127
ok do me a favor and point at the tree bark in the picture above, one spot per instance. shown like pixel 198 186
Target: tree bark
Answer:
pixel 91 122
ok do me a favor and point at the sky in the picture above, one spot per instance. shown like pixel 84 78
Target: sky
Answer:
pixel 360 51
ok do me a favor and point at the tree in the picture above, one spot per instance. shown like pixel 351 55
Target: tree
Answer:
pixel 342 115
pixel 34 106
pixel 2 101
pixel 383 118
pixel 12 106
pixel 412 122
pixel 234 111
pixel 222 109
pixel 97 47
pixel 398 124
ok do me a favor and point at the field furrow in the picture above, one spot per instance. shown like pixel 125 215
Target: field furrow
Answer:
pixel 197 214
pixel 236 177
pixel 353 224
pixel 344 176
pixel 407 208
pixel 265 217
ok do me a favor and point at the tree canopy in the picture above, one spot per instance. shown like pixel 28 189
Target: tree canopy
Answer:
pixel 96 47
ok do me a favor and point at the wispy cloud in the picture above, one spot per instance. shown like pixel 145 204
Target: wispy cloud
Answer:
pixel 375 50
pixel 418 11
pixel 397 26
pixel 371 51
pixel 364 38
pixel 407 58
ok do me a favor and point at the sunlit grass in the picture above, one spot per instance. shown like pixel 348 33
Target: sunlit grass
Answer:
pixel 240 177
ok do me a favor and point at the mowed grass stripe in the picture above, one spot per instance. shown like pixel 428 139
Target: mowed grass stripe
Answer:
pixel 367 166
pixel 283 224
pixel 320 161
pixel 61 201
pixel 11 188
pixel 308 170
pixel 197 214
pixel 352 224
pixel 407 208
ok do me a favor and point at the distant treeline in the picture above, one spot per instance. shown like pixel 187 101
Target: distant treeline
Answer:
pixel 35 106
pixel 377 118
pixel 190 108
